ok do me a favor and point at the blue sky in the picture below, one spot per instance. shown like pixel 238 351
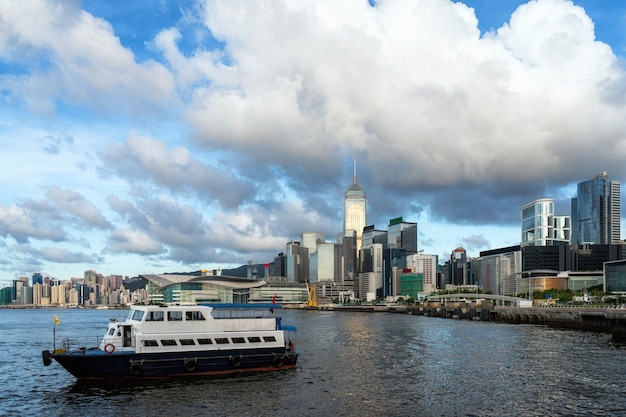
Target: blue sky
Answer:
pixel 147 137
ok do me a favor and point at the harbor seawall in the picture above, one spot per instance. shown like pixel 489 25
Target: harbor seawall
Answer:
pixel 606 320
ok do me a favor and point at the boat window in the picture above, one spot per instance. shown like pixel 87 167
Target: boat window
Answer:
pixel 187 342
pixel 254 339
pixel 269 338
pixel 149 343
pixel 168 342
pixel 154 316
pixel 174 315
pixel 194 315
pixel 111 331
pixel 205 342
pixel 221 340
pixel 238 340
pixel 137 315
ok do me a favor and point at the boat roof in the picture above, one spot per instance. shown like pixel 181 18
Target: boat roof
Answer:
pixel 242 306
pixel 232 306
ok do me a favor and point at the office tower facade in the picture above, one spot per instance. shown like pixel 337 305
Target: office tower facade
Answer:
pixel 326 262
pixel 355 210
pixel 459 268
pixel 297 262
pixel 596 211
pixel 311 240
pixel 371 272
pixel 401 242
pixel 402 235
pixel 498 271
pixel 541 227
pixel 371 236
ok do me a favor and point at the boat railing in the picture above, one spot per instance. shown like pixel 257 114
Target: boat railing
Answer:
pixel 82 344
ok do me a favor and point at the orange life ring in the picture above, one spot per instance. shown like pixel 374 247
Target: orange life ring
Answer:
pixel 109 348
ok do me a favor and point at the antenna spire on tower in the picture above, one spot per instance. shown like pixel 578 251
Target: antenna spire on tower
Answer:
pixel 354 177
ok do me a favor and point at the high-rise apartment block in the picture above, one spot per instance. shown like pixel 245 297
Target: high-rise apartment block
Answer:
pixel 596 211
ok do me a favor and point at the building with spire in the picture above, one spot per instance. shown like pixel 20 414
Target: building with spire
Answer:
pixel 355 210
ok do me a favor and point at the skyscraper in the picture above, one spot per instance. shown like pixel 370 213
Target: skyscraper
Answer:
pixel 355 210
pixel 540 227
pixel 596 211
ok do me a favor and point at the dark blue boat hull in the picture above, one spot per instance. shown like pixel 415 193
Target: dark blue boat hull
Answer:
pixel 96 364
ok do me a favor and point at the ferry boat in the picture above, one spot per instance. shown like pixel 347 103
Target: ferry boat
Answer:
pixel 178 341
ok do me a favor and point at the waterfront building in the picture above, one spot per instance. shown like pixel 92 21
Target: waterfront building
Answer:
pixel 18 293
pixel 498 271
pixel 426 265
pixel 570 257
pixel 5 295
pixel 541 227
pixel 37 293
pixel 411 284
pixel 189 289
pixel 279 291
pixel 615 276
pixel 26 296
pixel 596 211
pixel 57 291
pixel 355 210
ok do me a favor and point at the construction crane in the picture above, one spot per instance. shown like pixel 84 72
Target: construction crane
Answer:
pixel 311 302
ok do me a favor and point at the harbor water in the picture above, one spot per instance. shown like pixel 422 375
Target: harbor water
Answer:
pixel 350 364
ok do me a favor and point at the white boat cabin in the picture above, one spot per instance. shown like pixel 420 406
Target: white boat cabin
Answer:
pixel 195 327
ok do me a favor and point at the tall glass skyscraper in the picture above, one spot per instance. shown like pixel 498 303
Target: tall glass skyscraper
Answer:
pixel 355 210
pixel 596 212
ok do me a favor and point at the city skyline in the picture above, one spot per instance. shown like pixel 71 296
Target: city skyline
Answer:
pixel 142 138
